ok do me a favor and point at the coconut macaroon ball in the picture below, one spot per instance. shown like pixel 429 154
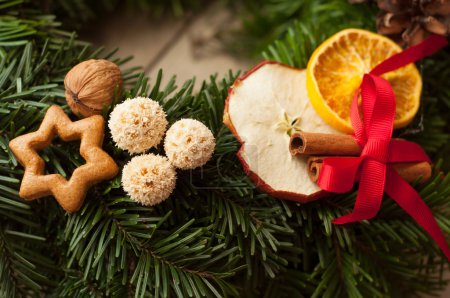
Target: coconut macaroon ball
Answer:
pixel 189 144
pixel 149 179
pixel 137 124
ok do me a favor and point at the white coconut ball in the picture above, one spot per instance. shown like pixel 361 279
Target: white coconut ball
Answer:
pixel 189 144
pixel 149 179
pixel 137 124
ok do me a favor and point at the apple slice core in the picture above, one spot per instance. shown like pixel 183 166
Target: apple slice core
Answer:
pixel 263 108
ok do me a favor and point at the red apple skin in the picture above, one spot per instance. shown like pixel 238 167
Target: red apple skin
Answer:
pixel 285 195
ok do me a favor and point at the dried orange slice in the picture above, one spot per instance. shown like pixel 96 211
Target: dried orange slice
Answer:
pixel 337 66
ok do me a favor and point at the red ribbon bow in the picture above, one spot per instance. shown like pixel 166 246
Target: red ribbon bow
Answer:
pixel 373 169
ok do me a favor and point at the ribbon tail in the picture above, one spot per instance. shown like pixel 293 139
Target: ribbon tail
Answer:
pixel 370 193
pixel 426 48
pixel 408 199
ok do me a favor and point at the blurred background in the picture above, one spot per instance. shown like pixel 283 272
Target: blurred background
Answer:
pixel 182 43
pixel 190 38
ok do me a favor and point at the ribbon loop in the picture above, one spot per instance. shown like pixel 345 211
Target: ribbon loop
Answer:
pixel 372 168
pixel 405 151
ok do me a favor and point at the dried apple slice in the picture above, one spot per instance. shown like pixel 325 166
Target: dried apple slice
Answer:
pixel 262 109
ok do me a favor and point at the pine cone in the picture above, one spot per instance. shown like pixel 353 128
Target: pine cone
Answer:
pixel 409 22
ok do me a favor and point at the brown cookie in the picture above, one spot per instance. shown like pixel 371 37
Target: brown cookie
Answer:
pixel 70 194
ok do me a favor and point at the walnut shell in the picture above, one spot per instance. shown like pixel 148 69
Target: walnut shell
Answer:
pixel 90 85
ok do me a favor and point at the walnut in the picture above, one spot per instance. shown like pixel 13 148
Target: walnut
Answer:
pixel 90 85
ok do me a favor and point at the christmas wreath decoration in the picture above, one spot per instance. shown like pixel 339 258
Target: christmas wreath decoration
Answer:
pixel 206 231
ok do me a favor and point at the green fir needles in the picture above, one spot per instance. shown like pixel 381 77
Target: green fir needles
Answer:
pixel 217 235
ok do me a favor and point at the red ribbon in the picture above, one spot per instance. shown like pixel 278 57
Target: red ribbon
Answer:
pixel 373 169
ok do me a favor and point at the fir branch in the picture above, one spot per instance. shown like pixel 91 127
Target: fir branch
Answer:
pixel 217 235
pixel 20 272
pixel 266 21
pixel 80 12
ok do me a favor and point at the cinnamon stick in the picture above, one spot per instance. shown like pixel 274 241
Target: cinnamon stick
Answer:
pixel 307 143
pixel 314 165
pixel 409 171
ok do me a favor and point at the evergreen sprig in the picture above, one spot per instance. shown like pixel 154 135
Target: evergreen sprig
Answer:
pixel 217 235
pixel 265 21
pixel 78 13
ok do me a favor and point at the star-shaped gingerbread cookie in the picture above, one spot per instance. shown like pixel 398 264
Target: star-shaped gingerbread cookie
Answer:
pixel 71 193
